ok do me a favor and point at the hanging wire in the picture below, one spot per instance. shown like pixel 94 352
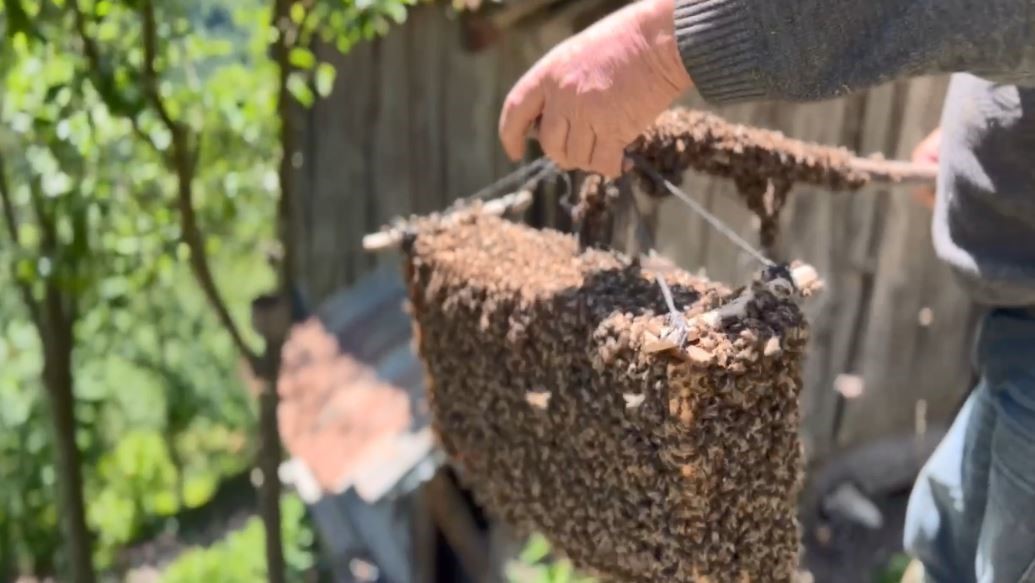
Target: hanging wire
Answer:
pixel 698 208
pixel 524 176
pixel 667 293
pixel 646 239
pixel 529 175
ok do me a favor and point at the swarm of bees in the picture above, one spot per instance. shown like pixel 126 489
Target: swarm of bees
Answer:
pixel 686 139
pixel 763 164
pixel 647 446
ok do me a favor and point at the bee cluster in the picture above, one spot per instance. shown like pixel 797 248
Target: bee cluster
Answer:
pixel 645 447
pixel 763 164
pixel 684 139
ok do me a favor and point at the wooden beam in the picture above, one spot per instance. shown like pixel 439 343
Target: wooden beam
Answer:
pixel 424 541
pixel 895 171
pixel 392 237
pixel 451 514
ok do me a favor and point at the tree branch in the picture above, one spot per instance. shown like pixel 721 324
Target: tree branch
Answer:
pixel 145 137
pixel 183 163
pixel 98 72
pixel 8 206
pixel 11 221
pixel 103 80
pixel 286 111
pixel 270 453
pixel 151 89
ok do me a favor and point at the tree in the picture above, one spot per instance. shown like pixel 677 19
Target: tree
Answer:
pixel 272 312
pixel 49 221
pixel 145 116
pixel 53 312
pixel 72 134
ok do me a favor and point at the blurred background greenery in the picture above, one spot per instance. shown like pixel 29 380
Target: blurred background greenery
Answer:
pixel 122 122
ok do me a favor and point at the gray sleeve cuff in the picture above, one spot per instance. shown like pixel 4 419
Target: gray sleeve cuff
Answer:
pixel 721 49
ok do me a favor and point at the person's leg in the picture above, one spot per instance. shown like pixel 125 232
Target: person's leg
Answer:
pixel 1006 546
pixel 947 505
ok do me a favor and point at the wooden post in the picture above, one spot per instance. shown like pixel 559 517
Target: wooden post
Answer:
pixel 424 540
pixel 453 517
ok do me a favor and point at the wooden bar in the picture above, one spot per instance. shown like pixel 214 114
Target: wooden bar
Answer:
pixel 392 237
pixel 453 517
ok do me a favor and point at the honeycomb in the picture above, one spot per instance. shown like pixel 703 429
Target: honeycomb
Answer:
pixel 573 405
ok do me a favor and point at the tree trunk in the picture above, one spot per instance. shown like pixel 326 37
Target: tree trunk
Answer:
pixel 57 378
pixel 270 456
pixel 269 464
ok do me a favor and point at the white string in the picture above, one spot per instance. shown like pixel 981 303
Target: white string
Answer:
pixel 537 170
pixel 698 208
pixel 527 174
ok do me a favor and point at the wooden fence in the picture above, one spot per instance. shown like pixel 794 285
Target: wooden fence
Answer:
pixel 412 124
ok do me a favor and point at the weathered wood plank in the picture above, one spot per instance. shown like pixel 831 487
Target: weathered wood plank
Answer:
pixel 425 31
pixel 424 540
pixel 813 229
pixel 338 161
pixel 303 180
pixel 391 171
pixel 453 517
pixel 847 239
pixel 471 105
pixel 908 372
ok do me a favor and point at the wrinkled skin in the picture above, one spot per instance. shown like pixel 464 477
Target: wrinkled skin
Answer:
pixel 594 93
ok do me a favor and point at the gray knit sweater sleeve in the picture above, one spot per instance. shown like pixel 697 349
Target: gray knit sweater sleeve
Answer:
pixel 803 50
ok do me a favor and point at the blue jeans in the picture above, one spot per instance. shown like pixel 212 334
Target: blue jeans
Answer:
pixel 971 516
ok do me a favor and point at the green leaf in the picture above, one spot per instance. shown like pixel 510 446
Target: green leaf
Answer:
pixel 19 22
pixel 238 558
pixel 25 270
pixel 395 10
pixel 298 87
pixel 198 489
pixel 53 91
pixel 164 502
pixel 562 572
pixel 325 76
pixel 380 25
pixel 302 58
pixel 344 43
pixel 297 13
pixel 537 549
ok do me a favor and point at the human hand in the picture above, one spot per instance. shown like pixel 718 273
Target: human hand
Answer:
pixel 927 152
pixel 596 92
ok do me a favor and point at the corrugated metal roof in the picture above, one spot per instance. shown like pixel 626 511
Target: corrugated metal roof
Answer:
pixel 352 392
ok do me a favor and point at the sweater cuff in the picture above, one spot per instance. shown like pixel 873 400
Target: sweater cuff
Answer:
pixel 720 49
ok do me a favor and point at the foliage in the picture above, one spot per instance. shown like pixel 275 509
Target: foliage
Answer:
pixel 239 559
pixel 337 23
pixel 152 370
pixel 28 517
pixel 537 565
pixel 894 570
pixel 137 486
pixel 98 115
